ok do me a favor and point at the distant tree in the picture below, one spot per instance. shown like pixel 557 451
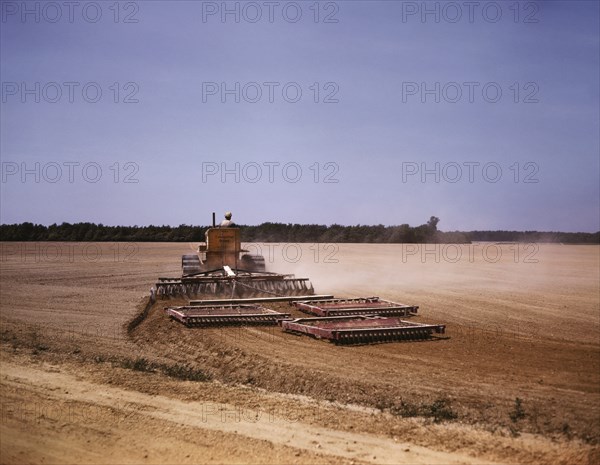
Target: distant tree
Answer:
pixel 279 232
pixel 433 222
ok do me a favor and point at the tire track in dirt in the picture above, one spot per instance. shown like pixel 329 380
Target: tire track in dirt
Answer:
pixel 214 416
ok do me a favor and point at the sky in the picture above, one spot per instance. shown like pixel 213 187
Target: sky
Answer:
pixel 484 114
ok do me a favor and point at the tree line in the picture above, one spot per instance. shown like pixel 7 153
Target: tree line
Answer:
pixel 280 232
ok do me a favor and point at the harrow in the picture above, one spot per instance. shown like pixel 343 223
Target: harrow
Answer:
pixel 259 300
pixel 361 329
pixel 359 306
pixel 231 284
pixel 225 315
pixel 345 329
pixel 223 268
pixel 240 284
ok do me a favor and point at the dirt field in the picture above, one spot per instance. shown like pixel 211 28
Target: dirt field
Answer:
pixel 522 323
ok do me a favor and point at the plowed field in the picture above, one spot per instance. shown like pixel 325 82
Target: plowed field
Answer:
pixel 515 380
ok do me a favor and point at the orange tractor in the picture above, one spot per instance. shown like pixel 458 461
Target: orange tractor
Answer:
pixel 222 268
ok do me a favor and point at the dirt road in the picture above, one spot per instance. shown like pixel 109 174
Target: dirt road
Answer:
pixel 57 387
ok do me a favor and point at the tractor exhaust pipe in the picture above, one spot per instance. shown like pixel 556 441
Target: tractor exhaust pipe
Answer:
pixel 214 220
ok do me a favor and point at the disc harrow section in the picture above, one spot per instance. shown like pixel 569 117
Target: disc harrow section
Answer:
pixel 361 329
pixel 359 306
pixel 190 264
pixel 225 315
pixel 234 287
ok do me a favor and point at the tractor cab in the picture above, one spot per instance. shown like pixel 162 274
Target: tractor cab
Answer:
pixel 223 247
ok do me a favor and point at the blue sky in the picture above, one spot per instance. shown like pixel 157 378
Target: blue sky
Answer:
pixel 488 119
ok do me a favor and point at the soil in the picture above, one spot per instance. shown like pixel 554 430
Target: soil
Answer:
pixel 515 379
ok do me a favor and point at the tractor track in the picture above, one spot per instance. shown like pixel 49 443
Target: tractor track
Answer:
pixel 329 443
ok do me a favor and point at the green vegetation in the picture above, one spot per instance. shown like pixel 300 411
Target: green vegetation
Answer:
pixel 176 371
pixel 440 410
pixel 185 373
pixel 279 232
pixel 518 412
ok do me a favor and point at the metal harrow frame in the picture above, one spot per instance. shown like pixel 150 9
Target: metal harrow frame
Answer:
pixel 225 315
pixel 359 329
pixel 243 284
pixel 358 306
pixel 258 300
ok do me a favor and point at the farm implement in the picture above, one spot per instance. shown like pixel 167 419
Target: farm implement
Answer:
pixel 361 306
pixel 350 328
pixel 222 268
pixel 221 315
pixel 227 286
pixel 361 329
pixel 238 283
